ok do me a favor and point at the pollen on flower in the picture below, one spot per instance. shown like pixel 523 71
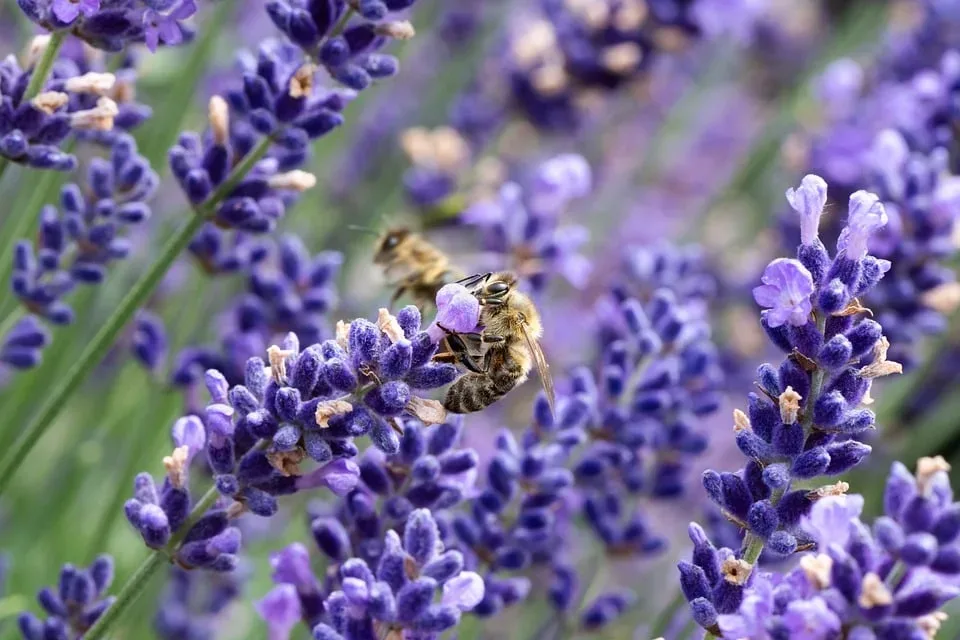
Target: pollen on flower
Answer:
pixel 330 408
pixel 50 101
pixel 219 115
pixel 630 15
pixel 944 298
pixel 622 58
pixel 873 593
pixel 817 569
pixel 880 365
pixel 740 421
pixel 388 323
pixel 100 118
pixel 428 411
pixel 278 364
pixel 399 30
pixel 301 84
pixel 96 83
pixel 539 39
pixel 930 624
pixel 287 462
pixel 176 464
pixel 296 180
pixel 35 50
pixel 853 307
pixel 736 571
pixel 342 333
pixel 789 405
pixel 837 489
pixel 927 468
pixel 595 13
pixel 550 79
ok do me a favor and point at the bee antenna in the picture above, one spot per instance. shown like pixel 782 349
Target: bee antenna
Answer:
pixel 355 227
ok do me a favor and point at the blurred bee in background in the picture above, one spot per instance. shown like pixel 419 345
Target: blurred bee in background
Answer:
pixel 413 265
pixel 500 357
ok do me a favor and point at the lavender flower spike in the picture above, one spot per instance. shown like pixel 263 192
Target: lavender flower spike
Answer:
pixel 804 425
pixel 808 200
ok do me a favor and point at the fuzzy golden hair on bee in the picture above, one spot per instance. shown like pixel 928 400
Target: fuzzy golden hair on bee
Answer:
pixel 412 265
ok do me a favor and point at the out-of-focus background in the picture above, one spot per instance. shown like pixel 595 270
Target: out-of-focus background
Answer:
pixel 698 148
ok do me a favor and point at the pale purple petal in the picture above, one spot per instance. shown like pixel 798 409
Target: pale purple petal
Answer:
pixel 810 620
pixel 866 216
pixel 186 9
pixel 808 200
pixel 458 311
pixel 786 290
pixel 484 213
pixel 340 476
pixel 169 31
pixel 356 591
pixel 829 519
pixel 89 7
pixel 281 610
pixel 291 565
pixel 464 591
pixel 576 269
pixel 189 432
pixel 887 158
pixel 66 10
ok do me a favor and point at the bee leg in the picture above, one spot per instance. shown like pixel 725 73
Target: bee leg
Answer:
pixel 396 295
pixel 459 350
pixel 490 339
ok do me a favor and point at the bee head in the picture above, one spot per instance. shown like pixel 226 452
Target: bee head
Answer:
pixel 390 241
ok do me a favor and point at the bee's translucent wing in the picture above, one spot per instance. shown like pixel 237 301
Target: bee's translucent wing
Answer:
pixel 543 369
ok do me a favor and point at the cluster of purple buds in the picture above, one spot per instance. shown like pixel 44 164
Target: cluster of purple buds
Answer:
pixel 160 512
pixel 400 595
pixel 80 65
pixel 193 602
pixel 74 605
pixel 888 582
pixel 528 481
pixel 288 290
pixel 78 243
pixel 347 49
pixel 259 200
pixel 803 423
pixel 428 471
pixel 523 225
pixel 32 130
pixel 589 46
pixel 305 404
pixel 113 25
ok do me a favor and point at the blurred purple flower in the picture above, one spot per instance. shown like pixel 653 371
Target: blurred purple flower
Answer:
pixel 69 10
pixel 280 608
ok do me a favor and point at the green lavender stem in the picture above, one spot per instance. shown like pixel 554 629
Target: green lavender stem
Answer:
pixel 107 335
pixel 39 77
pixel 141 577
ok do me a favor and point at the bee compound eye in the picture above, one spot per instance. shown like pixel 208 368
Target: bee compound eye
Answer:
pixel 498 288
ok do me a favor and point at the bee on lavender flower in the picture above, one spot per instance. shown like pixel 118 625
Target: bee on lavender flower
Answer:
pixel 499 357
pixel 413 265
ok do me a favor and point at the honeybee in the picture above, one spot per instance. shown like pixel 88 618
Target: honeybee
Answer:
pixel 414 265
pixel 500 357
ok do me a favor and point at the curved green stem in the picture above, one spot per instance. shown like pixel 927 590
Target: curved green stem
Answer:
pixel 106 337
pixel 141 577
